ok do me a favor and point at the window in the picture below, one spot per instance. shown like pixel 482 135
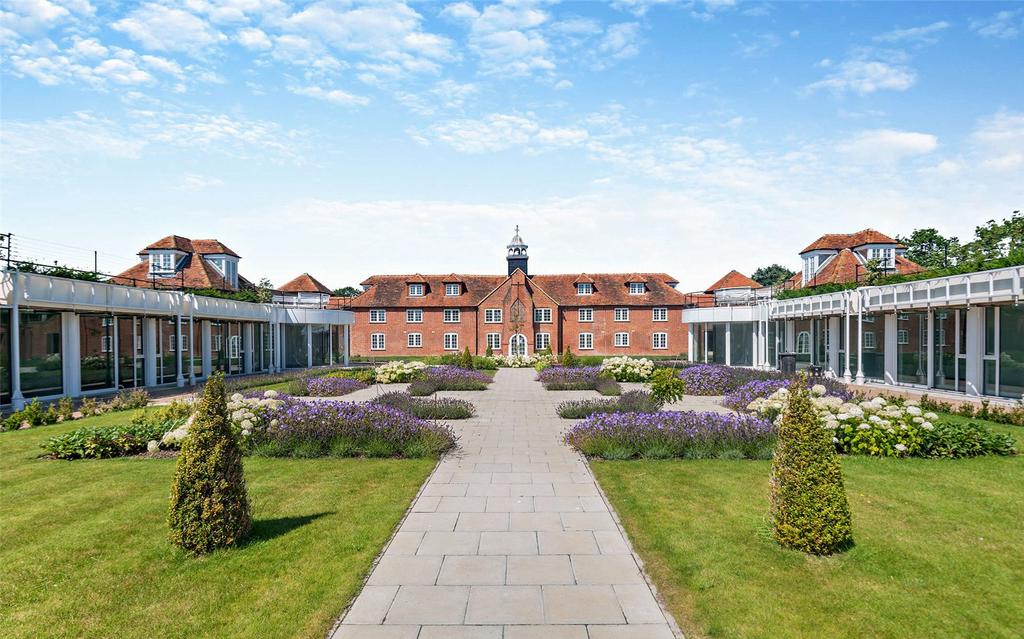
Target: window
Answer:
pixel 884 256
pixel 452 316
pixel 377 341
pixel 218 342
pixel 106 343
pixel 415 290
pixel 584 288
pixel 492 316
pixel 902 336
pixel 414 316
pixel 171 342
pixel 161 262
pixel 451 341
pixel 586 341
pixel 541 341
pixel 660 314
pixel 659 341
pixel 453 290
pixel 902 317
pixel 235 346
pixel 414 340
pixel 622 339
pixel 637 288
pixel 869 340
pixel 803 343
pixel 494 341
pixel 586 315
pixel 378 316
pixel 622 315
pixel 542 315
pixel 869 319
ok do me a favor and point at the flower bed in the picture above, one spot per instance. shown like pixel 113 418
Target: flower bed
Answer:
pixel 741 398
pixel 398 371
pixel 346 429
pixel 441 408
pixel 567 378
pixel 450 378
pixel 628 402
pixel 628 369
pixel 663 435
pixel 332 386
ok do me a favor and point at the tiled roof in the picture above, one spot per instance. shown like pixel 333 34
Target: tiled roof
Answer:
pixel 185 245
pixel 304 283
pixel 609 289
pixel 846 267
pixel 733 279
pixel 195 272
pixel 838 241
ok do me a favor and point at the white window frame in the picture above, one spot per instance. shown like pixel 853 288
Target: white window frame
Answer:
pixel 541 341
pixel 585 315
pixel 172 342
pixel 414 340
pixel 414 316
pixel 869 340
pixel 377 341
pixel 454 313
pixel 494 341
pixel 659 341
pixel 622 340
pixel 378 316
pixel 659 314
pixel 234 346
pixel 803 343
pixel 584 288
pixel 451 341
pixel 637 288
pixel 542 315
pixel 621 314
pixel 218 343
pixel 586 341
pixel 492 316
pixel 161 262
pixel 903 336
pixel 106 343
pixel 453 290
pixel 417 290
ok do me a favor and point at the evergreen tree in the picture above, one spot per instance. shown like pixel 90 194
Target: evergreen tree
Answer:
pixel 771 275
pixel 466 361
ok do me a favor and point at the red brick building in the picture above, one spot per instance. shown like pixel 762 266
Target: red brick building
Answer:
pixel 592 314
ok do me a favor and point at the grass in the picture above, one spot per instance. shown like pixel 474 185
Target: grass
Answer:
pixel 937 548
pixel 85 550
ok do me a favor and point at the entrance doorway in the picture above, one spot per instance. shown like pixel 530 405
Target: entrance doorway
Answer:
pixel 517 345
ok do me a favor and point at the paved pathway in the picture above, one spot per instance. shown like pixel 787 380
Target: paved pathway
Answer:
pixel 509 539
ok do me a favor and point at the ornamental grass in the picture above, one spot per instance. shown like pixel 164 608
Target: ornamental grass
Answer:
pixel 686 434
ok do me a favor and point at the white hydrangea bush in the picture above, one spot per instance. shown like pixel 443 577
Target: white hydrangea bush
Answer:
pixel 628 369
pixel 246 414
pixel 398 371
pixel 879 427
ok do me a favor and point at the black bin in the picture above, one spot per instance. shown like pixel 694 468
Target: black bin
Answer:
pixel 787 362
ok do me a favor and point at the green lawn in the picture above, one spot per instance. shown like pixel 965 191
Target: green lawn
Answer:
pixel 938 549
pixel 84 551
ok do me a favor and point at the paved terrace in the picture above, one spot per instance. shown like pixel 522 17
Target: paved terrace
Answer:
pixel 510 538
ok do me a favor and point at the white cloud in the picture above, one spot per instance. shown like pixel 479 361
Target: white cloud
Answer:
pixel 562 85
pixel 759 45
pixel 499 131
pixel 944 169
pixel 999 141
pixel 253 39
pixel 460 11
pixel 506 37
pixel 163 28
pixel 335 96
pixel 89 62
pixel 926 34
pixel 1005 24
pixel 864 75
pixel 621 41
pixel 196 182
pixel 888 145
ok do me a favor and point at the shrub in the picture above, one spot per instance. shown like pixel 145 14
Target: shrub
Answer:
pixel 629 402
pixel 487 363
pixel 97 442
pixel 90 407
pixel 628 369
pixel 129 399
pixel 672 434
pixel 66 409
pixel 450 378
pixel 466 361
pixel 209 506
pixel 569 378
pixel 489 352
pixel 325 386
pixel 809 511
pixel 1012 415
pixel 446 408
pixel 397 371
pixel 568 360
pixel 667 386
pixel 965 440
pixel 607 386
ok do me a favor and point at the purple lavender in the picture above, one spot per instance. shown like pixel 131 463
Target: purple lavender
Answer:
pixel 453 375
pixel 332 386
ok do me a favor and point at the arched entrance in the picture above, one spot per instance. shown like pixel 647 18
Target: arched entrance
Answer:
pixel 517 345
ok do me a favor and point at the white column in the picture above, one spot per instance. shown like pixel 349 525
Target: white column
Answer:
pixel 975 351
pixel 71 355
pixel 704 327
pixel 116 348
pixel 847 374
pixel 192 350
pixel 891 356
pixel 17 399
pixel 149 350
pixel 247 348
pixel 207 345
pixel 690 345
pixel 929 340
pixel 832 353
pixel 281 347
pixel 344 352
pixel 308 328
pixel 728 343
pixel 755 344
pixel 178 342
pixel 330 345
pixel 860 340
pixel 790 336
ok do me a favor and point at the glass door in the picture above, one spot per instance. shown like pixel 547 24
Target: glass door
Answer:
pixel 946 345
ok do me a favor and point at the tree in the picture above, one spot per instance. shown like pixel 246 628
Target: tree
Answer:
pixel 264 290
pixel 466 361
pixel 568 359
pixel 809 511
pixel 931 249
pixel 346 291
pixel 772 275
pixel 995 240
pixel 209 505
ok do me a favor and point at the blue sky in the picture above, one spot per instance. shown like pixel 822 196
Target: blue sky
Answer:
pixel 350 138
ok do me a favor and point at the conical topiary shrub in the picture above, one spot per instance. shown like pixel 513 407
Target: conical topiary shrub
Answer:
pixel 568 359
pixel 808 501
pixel 209 506
pixel 466 361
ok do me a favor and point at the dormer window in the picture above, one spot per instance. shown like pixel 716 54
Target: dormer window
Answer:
pixel 453 290
pixel 883 255
pixel 584 288
pixel 637 288
pixel 415 290
pixel 161 262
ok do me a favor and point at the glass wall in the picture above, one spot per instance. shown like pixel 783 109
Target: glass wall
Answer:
pixel 803 342
pixel 96 351
pixel 948 375
pixel 820 341
pixel 716 343
pixel 321 344
pixel 912 347
pixel 267 340
pixel 235 348
pixel 741 346
pixel 41 360
pixel 295 346
pixel 129 352
pixel 194 356
pixel 1011 351
pixel 873 346
pixel 988 386
pixel 167 345
pixel 5 356
pixel 842 346
pixel 338 343
pixel 772 336
pixel 218 347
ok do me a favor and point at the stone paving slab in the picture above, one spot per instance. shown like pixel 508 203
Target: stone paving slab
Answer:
pixel 510 538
